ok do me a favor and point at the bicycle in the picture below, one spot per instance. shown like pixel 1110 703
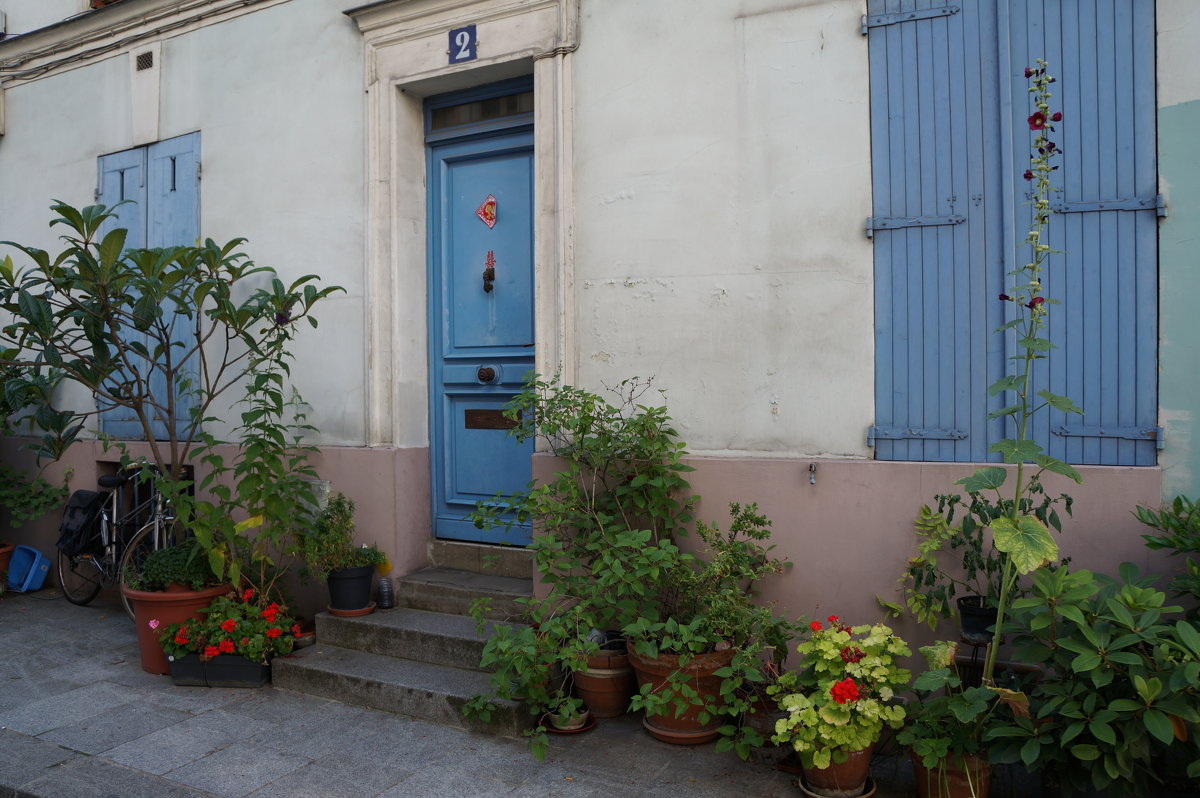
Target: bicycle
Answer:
pixel 118 539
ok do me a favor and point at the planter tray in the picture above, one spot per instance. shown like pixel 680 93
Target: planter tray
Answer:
pixel 222 671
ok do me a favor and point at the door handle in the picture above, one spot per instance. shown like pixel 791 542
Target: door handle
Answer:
pixel 486 374
pixel 489 277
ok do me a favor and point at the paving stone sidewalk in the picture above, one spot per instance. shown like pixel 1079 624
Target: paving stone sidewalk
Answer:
pixel 79 718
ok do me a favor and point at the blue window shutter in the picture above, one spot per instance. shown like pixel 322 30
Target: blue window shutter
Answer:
pixel 1105 224
pixel 174 220
pixel 962 70
pixel 123 180
pixel 934 139
pixel 166 214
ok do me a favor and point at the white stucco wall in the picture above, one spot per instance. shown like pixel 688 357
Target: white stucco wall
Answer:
pixel 277 96
pixel 722 179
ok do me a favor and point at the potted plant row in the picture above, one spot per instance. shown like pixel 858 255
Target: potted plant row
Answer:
pixel 606 538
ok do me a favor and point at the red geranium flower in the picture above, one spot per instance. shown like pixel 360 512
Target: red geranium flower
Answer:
pixel 228 624
pixel 833 619
pixel 844 691
pixel 246 596
pixel 815 626
pixel 296 629
pixel 211 651
pixel 1037 121
pixel 225 646
pixel 274 631
pixel 181 639
pixel 245 641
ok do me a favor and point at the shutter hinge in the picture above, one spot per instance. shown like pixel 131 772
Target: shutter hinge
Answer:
pixel 879 20
pixel 896 222
pixel 197 168
pixel 905 433
pixel 1126 433
pixel 1155 203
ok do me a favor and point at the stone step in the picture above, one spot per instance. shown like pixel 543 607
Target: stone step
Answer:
pixel 482 558
pixel 453 591
pixel 432 637
pixel 435 693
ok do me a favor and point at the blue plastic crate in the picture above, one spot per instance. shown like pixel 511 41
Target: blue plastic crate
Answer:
pixel 27 570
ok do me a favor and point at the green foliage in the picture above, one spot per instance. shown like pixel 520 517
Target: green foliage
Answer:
pixel 841 699
pixel 1120 689
pixel 606 531
pixel 1179 531
pixel 961 558
pixel 184 564
pixel 191 321
pixel 947 720
pixel 328 543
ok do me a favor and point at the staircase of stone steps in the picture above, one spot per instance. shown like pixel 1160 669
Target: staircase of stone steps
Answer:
pixel 421 658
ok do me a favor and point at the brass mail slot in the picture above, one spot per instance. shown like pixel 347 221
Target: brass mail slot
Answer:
pixel 488 419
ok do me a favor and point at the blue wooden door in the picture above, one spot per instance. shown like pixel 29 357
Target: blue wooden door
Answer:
pixel 160 187
pixel 481 335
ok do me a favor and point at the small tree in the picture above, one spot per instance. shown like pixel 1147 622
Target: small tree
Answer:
pixel 154 331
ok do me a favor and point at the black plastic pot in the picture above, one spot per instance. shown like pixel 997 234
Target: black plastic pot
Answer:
pixel 350 588
pixel 974 620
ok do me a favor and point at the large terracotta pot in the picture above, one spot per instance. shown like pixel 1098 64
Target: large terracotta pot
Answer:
pixel 841 780
pixel 166 608
pixel 607 685
pixel 685 729
pixel 960 777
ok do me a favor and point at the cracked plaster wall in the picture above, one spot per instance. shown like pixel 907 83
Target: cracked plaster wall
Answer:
pixel 721 186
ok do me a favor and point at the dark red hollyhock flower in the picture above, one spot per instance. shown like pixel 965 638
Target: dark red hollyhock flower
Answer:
pixel 1037 121
pixel 1033 303
pixel 1029 72
pixel 1028 175
pixel 1005 298
pixel 1052 147
pixel 1057 117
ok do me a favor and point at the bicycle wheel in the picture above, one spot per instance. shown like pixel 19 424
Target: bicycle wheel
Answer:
pixel 80 576
pixel 140 545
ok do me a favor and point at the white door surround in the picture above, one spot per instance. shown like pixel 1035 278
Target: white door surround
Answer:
pixel 407 59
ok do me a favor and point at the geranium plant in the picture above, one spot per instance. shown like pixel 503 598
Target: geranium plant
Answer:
pixel 237 625
pixel 841 698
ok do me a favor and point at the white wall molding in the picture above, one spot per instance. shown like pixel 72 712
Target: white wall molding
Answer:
pixel 406 60
pixel 112 30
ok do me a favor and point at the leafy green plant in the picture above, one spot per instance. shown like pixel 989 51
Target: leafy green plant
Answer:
pixel 1179 531
pixel 184 564
pixel 1120 690
pixel 606 530
pixel 948 720
pixel 953 558
pixel 328 545
pixel 153 331
pixel 842 697
pixel 1020 536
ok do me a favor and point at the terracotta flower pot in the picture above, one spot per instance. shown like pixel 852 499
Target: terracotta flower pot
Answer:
pixel 6 553
pixel 841 779
pixel 685 729
pixel 968 776
pixel 607 685
pixel 166 608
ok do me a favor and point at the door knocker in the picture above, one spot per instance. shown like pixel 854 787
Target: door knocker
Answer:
pixel 489 272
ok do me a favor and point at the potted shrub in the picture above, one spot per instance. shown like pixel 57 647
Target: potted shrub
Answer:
pixel 945 729
pixel 702 639
pixel 1118 705
pixel 181 302
pixel 839 702
pixel 330 555
pixel 171 585
pixel 230 644
pixel 605 532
